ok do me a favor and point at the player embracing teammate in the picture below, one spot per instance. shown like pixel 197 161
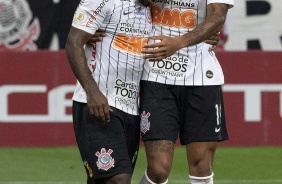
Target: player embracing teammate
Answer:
pixel 180 90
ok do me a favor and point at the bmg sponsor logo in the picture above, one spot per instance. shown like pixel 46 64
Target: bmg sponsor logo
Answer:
pixel 133 45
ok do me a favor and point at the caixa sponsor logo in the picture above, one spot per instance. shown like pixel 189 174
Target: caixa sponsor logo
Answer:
pixel 57 103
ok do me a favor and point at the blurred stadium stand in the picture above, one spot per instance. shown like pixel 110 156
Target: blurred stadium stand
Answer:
pixel 32 24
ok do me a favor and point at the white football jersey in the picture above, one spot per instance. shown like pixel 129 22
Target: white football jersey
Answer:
pixel 116 63
pixel 194 65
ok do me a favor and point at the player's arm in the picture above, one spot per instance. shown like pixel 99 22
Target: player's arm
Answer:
pixel 96 101
pixel 99 35
pixel 213 41
pixel 216 15
pixel 96 37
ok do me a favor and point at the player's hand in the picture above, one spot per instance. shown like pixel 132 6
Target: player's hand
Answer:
pixel 213 40
pixel 97 37
pixel 162 49
pixel 98 106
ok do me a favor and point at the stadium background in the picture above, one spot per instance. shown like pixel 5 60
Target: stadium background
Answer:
pixel 36 83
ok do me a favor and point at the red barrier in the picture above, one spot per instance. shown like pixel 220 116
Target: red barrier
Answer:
pixel 36 90
pixel 35 86
pixel 253 97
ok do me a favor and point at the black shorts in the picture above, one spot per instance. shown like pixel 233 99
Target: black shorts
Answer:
pixel 195 113
pixel 106 149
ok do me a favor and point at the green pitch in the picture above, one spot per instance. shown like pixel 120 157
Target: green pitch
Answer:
pixel 233 165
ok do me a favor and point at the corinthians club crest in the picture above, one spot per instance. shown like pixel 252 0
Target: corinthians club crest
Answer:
pixel 16 29
pixel 105 161
pixel 145 124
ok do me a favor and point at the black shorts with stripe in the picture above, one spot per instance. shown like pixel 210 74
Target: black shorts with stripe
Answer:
pixel 106 149
pixel 194 113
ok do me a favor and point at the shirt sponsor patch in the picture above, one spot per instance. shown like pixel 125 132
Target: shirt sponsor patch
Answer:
pixel 126 92
pixel 209 74
pixel 80 16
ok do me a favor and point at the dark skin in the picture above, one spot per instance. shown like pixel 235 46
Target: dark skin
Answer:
pixel 216 15
pixel 208 31
pixel 96 101
pixel 200 155
pixel 98 37
pixel 160 152
pixel 147 3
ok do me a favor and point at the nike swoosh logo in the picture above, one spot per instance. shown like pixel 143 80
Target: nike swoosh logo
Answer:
pixel 126 13
pixel 217 129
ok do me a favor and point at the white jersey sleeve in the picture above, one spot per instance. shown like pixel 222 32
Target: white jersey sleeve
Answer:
pixel 90 14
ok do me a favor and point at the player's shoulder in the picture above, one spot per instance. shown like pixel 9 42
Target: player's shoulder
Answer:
pixel 97 4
